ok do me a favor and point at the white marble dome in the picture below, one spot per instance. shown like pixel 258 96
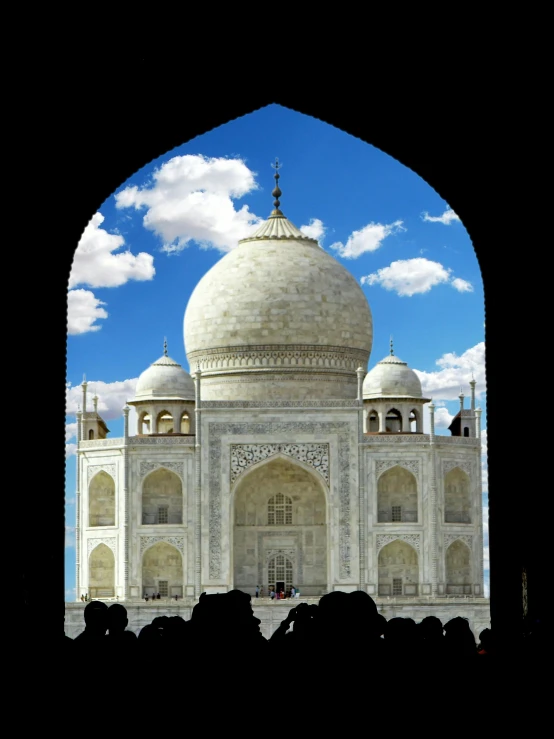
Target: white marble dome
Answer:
pixel 391 377
pixel 278 317
pixel 165 378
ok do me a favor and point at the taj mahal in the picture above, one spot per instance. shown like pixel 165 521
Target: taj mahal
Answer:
pixel 280 460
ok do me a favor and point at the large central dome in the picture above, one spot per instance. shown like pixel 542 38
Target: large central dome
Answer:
pixel 278 318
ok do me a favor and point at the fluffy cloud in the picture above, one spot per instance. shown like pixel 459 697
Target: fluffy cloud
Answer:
pixel 367 239
pixel 443 419
pixel 315 229
pixel 455 372
pixel 191 200
pixel 96 265
pixel 447 217
pixel 70 450
pixel 409 277
pixel 70 431
pixel 83 310
pixel 462 286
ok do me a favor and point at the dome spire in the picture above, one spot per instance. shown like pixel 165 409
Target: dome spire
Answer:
pixel 391 347
pixel 277 191
pixel 165 346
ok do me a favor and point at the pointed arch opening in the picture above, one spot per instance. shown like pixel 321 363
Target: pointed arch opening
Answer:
pixel 457 497
pixel 101 500
pixel 185 423
pixel 162 498
pixel 280 508
pixel 162 571
pixel 458 569
pixel 144 425
pixel 164 422
pixel 372 422
pixel 398 569
pixel 416 427
pixel 101 572
pixel 397 496
pixel 393 421
pixel 280 573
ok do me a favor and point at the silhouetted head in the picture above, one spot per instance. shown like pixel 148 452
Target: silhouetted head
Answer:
pixel 459 637
pixel 150 633
pixel 117 618
pixel 96 616
pixel 486 640
pixel 430 629
pixel 175 628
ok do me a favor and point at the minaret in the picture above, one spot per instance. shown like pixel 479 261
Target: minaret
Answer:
pixel 95 403
pixel 472 385
pixel 84 386
pixel 461 396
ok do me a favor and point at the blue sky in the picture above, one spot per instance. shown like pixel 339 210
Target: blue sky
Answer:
pixel 145 249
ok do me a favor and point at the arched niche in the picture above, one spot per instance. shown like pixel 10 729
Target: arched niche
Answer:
pixel 165 422
pixel 144 425
pixel 398 569
pixel 162 570
pixel 372 421
pixel 458 569
pixel 457 498
pixel 280 505
pixel 101 500
pixel 101 576
pixel 91 434
pixel 393 421
pixel 162 498
pixel 185 425
pixel 280 573
pixel 397 496
pixel 416 425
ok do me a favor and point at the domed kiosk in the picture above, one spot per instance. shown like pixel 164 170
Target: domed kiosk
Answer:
pixel 278 317
pixel 281 462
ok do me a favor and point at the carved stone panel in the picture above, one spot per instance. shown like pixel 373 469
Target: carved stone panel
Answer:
pixel 177 541
pixel 449 538
pixel 244 456
pixel 95 468
pixel 109 541
pixel 413 540
pixel 450 464
pixel 147 466
pixel 382 465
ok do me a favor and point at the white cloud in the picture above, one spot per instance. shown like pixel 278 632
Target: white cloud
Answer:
pixel 443 419
pixel 83 309
pixel 70 501
pixel 447 217
pixel 456 371
pixel 96 265
pixel 112 397
pixel 70 450
pixel 315 229
pixel 462 286
pixel 191 200
pixel 69 537
pixel 367 239
pixel 70 431
pixel 409 277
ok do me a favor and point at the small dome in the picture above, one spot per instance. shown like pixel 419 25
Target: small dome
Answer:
pixel 391 377
pixel 166 379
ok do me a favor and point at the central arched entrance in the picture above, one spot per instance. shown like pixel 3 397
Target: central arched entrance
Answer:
pixel 280 529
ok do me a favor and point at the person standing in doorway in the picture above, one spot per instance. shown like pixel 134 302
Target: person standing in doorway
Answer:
pixel 257 591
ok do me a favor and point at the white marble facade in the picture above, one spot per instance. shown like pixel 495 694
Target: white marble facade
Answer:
pixel 280 460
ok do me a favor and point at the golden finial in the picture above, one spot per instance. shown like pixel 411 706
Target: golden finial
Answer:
pixel 277 191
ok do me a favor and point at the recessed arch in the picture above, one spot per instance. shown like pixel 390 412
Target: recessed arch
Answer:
pixel 458 569
pixel 398 569
pixel 397 497
pixel 185 424
pixel 457 496
pixel 300 533
pixel 101 572
pixel 101 500
pixel 372 421
pixel 162 498
pixel 164 422
pixel 162 570
pixel 144 423
pixel 393 421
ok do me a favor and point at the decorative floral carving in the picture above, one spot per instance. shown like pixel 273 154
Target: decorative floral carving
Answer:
pixel 244 456
pixel 207 404
pixel 398 439
pixel 115 441
pixel 463 464
pixel 164 440
pixel 109 541
pixel 411 539
pixel 93 469
pixel 449 538
pixel 147 541
pixel 290 553
pixel 217 430
pixel 381 465
pixel 147 466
